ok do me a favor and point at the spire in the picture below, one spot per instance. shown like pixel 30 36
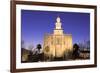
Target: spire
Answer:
pixel 58 30
pixel 58 19
pixel 58 23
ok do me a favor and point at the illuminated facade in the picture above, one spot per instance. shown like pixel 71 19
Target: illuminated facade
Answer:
pixel 56 44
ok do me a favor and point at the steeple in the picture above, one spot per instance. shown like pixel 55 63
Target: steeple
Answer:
pixel 58 23
pixel 58 19
pixel 58 29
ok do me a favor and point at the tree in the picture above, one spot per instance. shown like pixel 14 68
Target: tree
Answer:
pixel 30 47
pixel 30 53
pixel 39 46
pixel 75 46
pixel 40 56
pixel 88 44
pixel 75 51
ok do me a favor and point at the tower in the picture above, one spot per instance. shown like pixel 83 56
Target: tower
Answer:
pixel 58 29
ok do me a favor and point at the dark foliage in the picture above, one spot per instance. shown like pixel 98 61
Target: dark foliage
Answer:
pixel 75 53
pixel 39 46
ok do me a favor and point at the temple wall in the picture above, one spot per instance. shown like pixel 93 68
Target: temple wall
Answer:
pixel 57 44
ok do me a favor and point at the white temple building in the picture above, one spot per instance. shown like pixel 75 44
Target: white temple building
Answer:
pixel 58 43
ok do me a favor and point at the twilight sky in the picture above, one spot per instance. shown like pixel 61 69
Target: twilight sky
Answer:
pixel 34 24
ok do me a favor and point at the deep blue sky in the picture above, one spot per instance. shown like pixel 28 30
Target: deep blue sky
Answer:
pixel 34 24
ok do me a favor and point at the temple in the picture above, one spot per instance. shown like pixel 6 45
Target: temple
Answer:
pixel 57 44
